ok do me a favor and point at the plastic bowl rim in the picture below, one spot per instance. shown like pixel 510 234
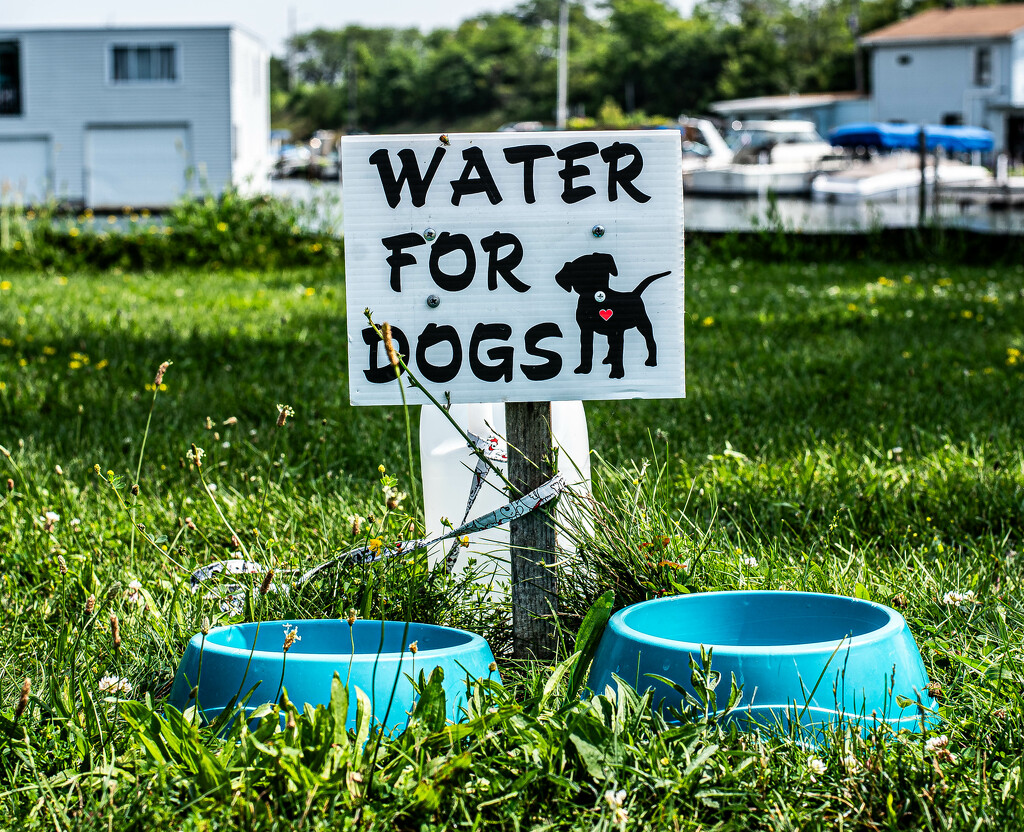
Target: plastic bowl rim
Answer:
pixel 473 641
pixel 894 626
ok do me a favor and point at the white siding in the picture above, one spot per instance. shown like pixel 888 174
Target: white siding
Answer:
pixel 1016 71
pixel 24 169
pixel 939 80
pixel 250 109
pixel 135 166
pixel 67 92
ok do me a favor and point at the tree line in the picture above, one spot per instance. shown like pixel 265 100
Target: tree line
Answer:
pixel 629 61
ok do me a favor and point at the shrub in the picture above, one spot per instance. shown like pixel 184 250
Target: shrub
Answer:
pixel 228 231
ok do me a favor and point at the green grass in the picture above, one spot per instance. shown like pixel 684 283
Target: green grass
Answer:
pixel 850 427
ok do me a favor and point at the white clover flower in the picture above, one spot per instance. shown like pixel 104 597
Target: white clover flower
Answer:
pixel 195 455
pixel 133 595
pixel 51 517
pixel 938 747
pixel 615 799
pixel 816 765
pixel 114 684
pixel 954 598
pixel 749 561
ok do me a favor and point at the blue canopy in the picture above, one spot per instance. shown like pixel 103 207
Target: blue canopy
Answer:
pixel 905 136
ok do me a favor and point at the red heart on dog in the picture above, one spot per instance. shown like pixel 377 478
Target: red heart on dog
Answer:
pixel 605 314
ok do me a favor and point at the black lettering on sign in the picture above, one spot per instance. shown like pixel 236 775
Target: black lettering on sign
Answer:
pixel 503 355
pixel 431 336
pixel 526 155
pixel 503 265
pixel 398 257
pixel 418 184
pixel 624 177
pixel 446 244
pixel 570 171
pixel 553 365
pixel 383 373
pixel 482 183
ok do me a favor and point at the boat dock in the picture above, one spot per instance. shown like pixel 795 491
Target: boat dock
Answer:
pixel 996 196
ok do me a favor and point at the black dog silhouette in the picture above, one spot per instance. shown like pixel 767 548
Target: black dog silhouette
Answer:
pixel 603 310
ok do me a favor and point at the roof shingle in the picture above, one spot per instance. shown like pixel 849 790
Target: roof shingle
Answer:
pixel 954 24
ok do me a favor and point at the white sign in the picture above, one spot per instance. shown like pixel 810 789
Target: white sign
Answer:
pixel 516 266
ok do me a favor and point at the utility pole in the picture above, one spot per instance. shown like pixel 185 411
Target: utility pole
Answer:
pixel 290 56
pixel 352 81
pixel 853 22
pixel 562 111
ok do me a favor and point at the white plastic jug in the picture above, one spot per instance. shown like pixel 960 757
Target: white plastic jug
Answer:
pixel 447 465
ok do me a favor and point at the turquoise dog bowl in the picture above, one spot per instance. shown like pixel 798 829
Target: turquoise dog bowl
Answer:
pixel 802 658
pixel 239 658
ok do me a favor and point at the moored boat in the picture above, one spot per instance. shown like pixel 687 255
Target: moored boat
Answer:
pixel 884 167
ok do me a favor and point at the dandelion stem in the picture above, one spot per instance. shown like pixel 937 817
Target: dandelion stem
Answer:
pixel 391 699
pixel 408 442
pixel 145 536
pixel 224 520
pixel 433 400
pixel 142 451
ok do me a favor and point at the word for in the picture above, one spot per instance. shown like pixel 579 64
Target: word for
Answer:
pixel 444 340
pixel 623 160
pixel 498 265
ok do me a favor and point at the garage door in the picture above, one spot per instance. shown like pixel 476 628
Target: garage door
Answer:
pixel 142 167
pixel 24 169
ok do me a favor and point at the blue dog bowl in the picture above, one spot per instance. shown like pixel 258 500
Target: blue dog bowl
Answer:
pixel 804 658
pixel 237 658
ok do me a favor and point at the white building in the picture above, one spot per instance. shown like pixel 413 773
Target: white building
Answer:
pixel 111 117
pixel 826 109
pixel 953 66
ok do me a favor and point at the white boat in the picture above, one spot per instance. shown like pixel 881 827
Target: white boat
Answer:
pixel 703 146
pixel 783 179
pixel 888 161
pixel 779 156
pixel 891 177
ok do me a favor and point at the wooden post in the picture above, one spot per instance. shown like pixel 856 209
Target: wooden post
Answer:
pixel 531 538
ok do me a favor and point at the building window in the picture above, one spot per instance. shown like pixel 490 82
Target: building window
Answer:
pixel 10 78
pixel 904 60
pixel 144 62
pixel 983 66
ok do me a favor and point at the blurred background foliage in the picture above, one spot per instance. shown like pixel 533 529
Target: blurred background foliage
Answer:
pixel 627 56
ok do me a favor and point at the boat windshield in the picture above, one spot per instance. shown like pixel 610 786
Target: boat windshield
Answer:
pixel 759 137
